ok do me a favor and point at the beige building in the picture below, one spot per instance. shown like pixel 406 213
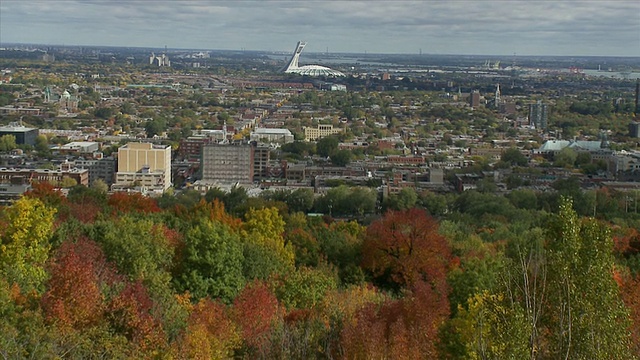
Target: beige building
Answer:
pixel 144 166
pixel 313 134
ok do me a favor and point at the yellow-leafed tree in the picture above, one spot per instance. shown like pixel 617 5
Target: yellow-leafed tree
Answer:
pixel 27 228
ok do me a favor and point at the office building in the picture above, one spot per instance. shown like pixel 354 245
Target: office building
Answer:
pixel 227 163
pixel 24 135
pixel 144 167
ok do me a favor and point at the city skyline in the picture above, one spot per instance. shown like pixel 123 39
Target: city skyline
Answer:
pixel 564 28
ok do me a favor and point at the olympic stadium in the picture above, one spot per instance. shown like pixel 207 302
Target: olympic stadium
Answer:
pixel 309 70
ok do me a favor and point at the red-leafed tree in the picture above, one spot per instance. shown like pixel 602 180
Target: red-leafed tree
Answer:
pixel 399 329
pixel 73 298
pixel 404 247
pixel 131 314
pixel 122 203
pixel 256 311
pixel 630 291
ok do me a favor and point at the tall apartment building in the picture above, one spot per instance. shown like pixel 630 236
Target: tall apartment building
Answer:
pixel 227 163
pixel 313 134
pixel 538 117
pixel 144 166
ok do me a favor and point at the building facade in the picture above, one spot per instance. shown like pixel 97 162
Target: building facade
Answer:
pixel 24 135
pixel 313 134
pixel 145 166
pixel 538 116
pixel 227 163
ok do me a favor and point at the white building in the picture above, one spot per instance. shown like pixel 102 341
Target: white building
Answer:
pixel 268 135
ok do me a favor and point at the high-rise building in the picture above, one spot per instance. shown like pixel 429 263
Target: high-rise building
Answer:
pixel 474 99
pixel 145 167
pixel 227 163
pixel 538 116
pixel 634 129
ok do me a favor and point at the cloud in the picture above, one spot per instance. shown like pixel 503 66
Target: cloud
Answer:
pixel 465 27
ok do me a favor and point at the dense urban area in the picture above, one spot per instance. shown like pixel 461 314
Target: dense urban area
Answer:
pixel 175 204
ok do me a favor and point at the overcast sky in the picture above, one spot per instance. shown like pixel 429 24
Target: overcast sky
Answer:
pixel 533 27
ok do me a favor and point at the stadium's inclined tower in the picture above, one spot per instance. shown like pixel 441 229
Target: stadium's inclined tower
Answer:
pixel 309 70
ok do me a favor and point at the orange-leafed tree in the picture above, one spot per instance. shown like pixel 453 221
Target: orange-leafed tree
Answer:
pixel 210 333
pixel 256 311
pixel 404 247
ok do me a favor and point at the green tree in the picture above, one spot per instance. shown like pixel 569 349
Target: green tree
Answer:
pixel 341 157
pixel 212 264
pixel 587 318
pixel 7 143
pixel 565 158
pixel 514 157
pixel 327 146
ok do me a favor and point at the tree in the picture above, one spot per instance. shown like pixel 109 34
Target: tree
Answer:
pixel 139 248
pixel 210 333
pixel 514 157
pixel 264 247
pixel 100 185
pixel 404 200
pixel 257 312
pixel 7 143
pixel 565 158
pixel 587 318
pixel 42 146
pixel 341 157
pixel 73 299
pixel 212 264
pixel 405 247
pixel 28 225
pixel 491 328
pixel 327 146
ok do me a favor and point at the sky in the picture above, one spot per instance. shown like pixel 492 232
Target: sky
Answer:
pixel 479 27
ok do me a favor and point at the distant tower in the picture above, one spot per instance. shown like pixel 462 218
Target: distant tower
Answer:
pixel 497 100
pixel 538 115
pixel 293 63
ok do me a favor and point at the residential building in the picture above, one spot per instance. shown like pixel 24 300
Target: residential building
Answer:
pixel 538 117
